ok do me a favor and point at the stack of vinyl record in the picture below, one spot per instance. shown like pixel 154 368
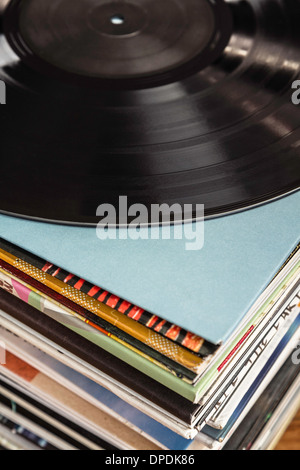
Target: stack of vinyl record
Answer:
pixel 149 226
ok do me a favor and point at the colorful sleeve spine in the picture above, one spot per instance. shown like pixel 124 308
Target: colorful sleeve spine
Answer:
pixel 186 339
pixel 134 329
pixel 29 294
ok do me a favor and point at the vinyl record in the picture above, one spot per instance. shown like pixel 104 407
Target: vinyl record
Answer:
pixel 182 102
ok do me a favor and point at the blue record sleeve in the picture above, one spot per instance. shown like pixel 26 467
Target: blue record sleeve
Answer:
pixel 207 291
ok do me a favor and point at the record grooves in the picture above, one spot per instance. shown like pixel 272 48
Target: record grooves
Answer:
pixel 163 102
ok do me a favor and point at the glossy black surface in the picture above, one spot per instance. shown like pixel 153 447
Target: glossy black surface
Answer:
pixel 117 39
pixel 224 134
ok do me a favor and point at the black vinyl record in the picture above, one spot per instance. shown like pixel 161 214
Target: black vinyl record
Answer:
pixel 182 102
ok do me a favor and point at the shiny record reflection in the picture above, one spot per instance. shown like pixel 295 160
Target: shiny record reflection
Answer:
pixel 177 102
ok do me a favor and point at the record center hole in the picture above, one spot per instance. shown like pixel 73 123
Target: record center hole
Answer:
pixel 117 20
